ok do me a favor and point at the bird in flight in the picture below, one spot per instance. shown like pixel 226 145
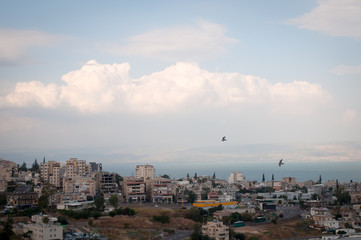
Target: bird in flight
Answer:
pixel 224 139
pixel 280 163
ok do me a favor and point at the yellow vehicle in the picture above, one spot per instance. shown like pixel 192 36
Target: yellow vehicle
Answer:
pixel 213 203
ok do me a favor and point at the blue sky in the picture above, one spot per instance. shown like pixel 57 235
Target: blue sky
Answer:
pixel 163 81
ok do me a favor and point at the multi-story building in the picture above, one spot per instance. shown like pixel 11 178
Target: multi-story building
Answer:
pixel 323 218
pixel 8 170
pixel 159 190
pixel 70 173
pixel 54 178
pixel 106 182
pixel 95 167
pixel 216 230
pixel 134 189
pixel 44 171
pixel 236 177
pixel 212 195
pixel 145 172
pixel 75 167
pixel 43 231
pixel 81 185
pixel 22 199
pixel 50 173
pixel 289 180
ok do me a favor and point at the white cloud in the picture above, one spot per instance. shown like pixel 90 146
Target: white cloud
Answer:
pixel 298 97
pixel 32 93
pixel 347 70
pixel 181 87
pixel 334 18
pixel 15 43
pixel 205 40
pixel 95 87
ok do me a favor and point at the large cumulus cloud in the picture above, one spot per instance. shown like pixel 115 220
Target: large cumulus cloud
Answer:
pixel 183 86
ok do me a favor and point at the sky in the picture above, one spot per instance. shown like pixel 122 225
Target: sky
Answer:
pixel 163 81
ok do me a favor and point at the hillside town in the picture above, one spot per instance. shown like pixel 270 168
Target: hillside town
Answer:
pixel 47 196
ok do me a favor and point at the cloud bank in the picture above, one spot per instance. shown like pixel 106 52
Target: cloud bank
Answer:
pixel 15 43
pixel 99 88
pixel 202 41
pixel 347 70
pixel 334 18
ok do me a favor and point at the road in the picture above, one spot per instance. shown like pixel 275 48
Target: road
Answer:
pixel 179 235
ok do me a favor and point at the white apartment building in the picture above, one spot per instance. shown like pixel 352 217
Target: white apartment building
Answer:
pixel 236 177
pixel 134 189
pixel 323 217
pixel 54 178
pixel 44 231
pixel 76 167
pixel 216 230
pixel 145 171
pixel 159 190
pixel 50 173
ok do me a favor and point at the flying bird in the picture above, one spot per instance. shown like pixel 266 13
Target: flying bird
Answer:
pixel 224 139
pixel 280 163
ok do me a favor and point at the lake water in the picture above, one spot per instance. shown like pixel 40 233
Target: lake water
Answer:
pixel 344 171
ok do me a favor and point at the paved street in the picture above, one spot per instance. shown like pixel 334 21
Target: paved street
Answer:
pixel 179 235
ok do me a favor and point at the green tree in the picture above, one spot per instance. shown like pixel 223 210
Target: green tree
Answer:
pixel 43 201
pixel 3 199
pixel 162 218
pixel 113 200
pixel 165 176
pixel 23 167
pixel 196 214
pixel 204 194
pixel 320 180
pixel 35 167
pixel 191 196
pixel 197 232
pixel 46 193
pixel 45 220
pixel 99 202
pixel 7 230
pixel 214 209
pixel 118 179
pixel 263 178
pixel 214 176
pixel 239 236
pixel 343 197
pixel 62 220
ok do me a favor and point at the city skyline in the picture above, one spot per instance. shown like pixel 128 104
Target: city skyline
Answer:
pixel 158 82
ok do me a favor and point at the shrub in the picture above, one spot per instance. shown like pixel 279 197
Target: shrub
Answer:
pixel 170 231
pixel 62 220
pixel 163 219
